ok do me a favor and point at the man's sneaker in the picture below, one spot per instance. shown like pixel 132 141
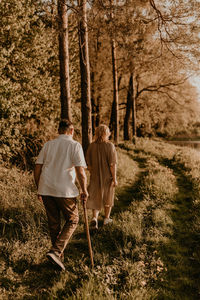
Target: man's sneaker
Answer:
pixel 107 221
pixel 94 224
pixel 55 259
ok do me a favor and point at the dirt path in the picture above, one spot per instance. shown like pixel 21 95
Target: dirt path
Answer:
pixel 181 254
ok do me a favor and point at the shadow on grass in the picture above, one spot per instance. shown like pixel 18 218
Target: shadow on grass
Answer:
pixel 14 222
pixel 40 280
pixel 181 253
pixel 111 240
pixel 130 193
pixel 37 278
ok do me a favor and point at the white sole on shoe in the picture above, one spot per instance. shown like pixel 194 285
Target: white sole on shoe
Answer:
pixel 94 225
pixel 107 222
pixel 54 258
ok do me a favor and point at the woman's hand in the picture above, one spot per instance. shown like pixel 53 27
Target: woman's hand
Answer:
pixel 40 198
pixel 114 182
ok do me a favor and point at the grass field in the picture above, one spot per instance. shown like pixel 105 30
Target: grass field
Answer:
pixel 151 251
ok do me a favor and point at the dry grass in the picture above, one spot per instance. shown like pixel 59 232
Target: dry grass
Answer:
pixel 149 252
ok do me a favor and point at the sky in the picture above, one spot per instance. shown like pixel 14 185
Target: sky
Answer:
pixel 196 82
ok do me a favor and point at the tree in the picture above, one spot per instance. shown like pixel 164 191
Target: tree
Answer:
pixel 114 24
pixel 115 77
pixel 129 108
pixel 95 106
pixel 100 65
pixel 167 25
pixel 65 97
pixel 85 76
pixel 115 91
pixel 166 102
pixel 29 79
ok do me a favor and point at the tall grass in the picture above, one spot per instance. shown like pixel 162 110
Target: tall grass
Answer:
pixel 140 256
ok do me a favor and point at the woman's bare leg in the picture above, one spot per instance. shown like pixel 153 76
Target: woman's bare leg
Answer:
pixel 95 213
pixel 107 211
pixel 94 221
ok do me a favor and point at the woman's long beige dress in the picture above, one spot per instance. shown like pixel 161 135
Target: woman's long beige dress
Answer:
pixel 100 156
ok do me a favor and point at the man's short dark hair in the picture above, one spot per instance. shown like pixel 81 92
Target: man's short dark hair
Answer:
pixel 64 125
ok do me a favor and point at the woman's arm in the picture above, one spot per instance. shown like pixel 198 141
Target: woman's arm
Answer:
pixel 113 170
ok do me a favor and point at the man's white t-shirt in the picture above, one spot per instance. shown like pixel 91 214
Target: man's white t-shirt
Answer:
pixel 59 158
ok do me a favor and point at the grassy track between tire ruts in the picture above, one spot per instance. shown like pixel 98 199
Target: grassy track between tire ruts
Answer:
pixel 181 253
pixel 151 251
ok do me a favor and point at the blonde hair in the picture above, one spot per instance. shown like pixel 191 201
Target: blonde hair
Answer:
pixel 102 133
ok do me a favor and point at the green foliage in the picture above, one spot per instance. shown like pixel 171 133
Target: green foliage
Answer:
pixel 159 53
pixel 29 97
pixel 29 70
pixel 29 78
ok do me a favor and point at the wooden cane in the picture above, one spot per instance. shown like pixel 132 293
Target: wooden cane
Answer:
pixel 88 233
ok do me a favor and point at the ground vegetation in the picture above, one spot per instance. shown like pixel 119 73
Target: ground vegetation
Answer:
pixel 151 251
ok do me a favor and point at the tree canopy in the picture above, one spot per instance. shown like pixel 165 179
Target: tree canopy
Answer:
pixel 156 42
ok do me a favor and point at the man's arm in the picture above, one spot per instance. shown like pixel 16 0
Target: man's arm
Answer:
pixel 37 173
pixel 113 170
pixel 82 179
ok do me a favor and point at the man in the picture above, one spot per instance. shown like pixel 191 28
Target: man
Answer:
pixel 57 165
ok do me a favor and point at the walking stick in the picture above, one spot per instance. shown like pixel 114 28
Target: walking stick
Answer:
pixel 88 233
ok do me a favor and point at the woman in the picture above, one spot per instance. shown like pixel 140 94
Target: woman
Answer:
pixel 101 160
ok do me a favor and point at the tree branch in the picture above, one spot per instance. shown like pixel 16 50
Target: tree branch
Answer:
pixel 159 89
pixel 156 88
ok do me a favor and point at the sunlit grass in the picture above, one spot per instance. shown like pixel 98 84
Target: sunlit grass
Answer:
pixel 151 251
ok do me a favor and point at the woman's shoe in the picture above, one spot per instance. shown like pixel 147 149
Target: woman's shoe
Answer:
pixel 94 224
pixel 107 221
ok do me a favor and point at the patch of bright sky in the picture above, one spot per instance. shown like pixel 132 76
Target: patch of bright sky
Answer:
pixel 195 80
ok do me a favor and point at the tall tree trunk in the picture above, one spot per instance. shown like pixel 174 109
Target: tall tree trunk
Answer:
pixel 134 118
pixel 53 8
pixel 115 92
pixel 85 77
pixel 115 83
pixel 98 117
pixel 93 104
pixel 112 115
pixel 93 115
pixel 65 97
pixel 129 108
pixel 95 98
